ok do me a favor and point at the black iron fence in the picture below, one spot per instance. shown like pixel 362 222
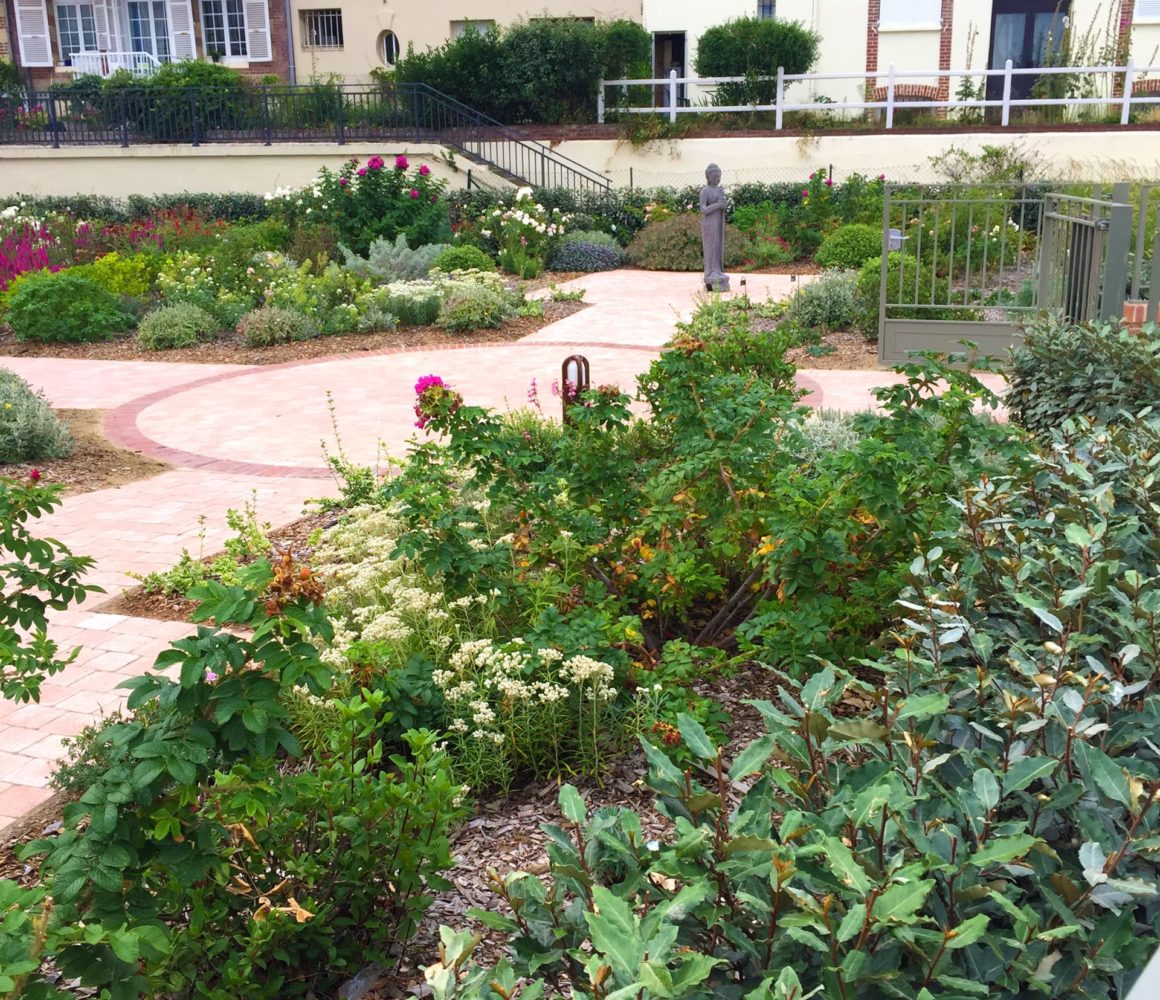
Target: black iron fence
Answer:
pixel 145 114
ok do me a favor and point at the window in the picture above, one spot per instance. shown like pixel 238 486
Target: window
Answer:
pixel 901 14
pixel 149 28
pixel 76 28
pixel 1147 10
pixel 223 28
pixel 322 29
pixel 388 47
pixel 459 27
pixel 766 10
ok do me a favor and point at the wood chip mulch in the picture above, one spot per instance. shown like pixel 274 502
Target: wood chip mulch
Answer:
pixel 851 352
pixel 229 349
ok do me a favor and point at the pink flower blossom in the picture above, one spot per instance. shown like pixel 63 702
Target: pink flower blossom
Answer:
pixel 425 382
pixel 362 171
pixel 414 192
pixel 829 183
pixel 882 177
pixel 805 192
pixel 343 182
pixel 424 170
pixel 34 475
pixel 401 163
pixel 210 677
pixel 375 163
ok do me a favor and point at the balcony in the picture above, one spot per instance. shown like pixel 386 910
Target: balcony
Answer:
pixel 105 64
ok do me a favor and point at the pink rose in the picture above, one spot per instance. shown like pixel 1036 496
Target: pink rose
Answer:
pixel 414 192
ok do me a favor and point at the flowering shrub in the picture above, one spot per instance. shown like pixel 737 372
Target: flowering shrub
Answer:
pixel 371 201
pixel 415 303
pixel 515 711
pixel 28 243
pixel 524 234
pixel 330 296
pixel 434 398
pixel 226 293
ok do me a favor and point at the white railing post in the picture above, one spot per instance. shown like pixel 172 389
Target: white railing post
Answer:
pixel 890 97
pixel 600 103
pixel 672 97
pixel 1129 73
pixel 1007 67
pixel 780 97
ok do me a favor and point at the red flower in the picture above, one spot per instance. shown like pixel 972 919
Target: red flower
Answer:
pixel 34 475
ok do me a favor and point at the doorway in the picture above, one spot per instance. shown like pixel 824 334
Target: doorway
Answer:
pixel 669 54
pixel 1027 32
pixel 149 28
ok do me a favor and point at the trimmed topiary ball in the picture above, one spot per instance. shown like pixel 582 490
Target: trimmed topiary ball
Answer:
pixel 463 258
pixel 849 247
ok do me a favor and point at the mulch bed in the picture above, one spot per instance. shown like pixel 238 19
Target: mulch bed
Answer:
pixel 167 607
pixel 229 349
pixel 851 352
pixel 95 464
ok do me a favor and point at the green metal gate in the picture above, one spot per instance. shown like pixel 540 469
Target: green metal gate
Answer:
pixel 976 263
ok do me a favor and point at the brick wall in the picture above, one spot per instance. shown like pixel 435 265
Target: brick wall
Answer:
pixel 1123 43
pixel 872 17
pixel 946 36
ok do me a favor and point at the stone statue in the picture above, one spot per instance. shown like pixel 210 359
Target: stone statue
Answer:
pixel 713 230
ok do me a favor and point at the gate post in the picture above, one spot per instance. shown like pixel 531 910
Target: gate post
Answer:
pixel 1119 246
pixel 886 193
pixel 1047 230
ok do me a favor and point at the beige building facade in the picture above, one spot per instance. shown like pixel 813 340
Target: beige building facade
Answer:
pixel 352 37
pixel 861 39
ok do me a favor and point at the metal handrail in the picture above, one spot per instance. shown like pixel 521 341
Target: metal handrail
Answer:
pixel 104 64
pixel 80 115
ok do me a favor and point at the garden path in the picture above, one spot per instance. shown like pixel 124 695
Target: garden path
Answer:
pixel 233 430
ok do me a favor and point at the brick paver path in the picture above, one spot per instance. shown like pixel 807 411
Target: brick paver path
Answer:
pixel 234 430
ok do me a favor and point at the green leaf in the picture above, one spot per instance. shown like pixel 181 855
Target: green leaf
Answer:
pixel 695 738
pixel 614 933
pixel 852 922
pixel 1004 849
pixel 739 844
pixel 1026 770
pixel 924 706
pixel 858 730
pixel 694 971
pixel 845 866
pixel 655 978
pixel 900 902
pixel 753 757
pixel 986 789
pixel 572 805
pixel 1103 772
pixel 1035 606
pixel 968 932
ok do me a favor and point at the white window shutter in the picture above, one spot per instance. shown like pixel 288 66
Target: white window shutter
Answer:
pixel 181 30
pixel 1147 10
pixel 102 17
pixel 902 13
pixel 258 31
pixel 32 33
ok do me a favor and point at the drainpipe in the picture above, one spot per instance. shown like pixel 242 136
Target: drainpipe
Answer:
pixel 290 42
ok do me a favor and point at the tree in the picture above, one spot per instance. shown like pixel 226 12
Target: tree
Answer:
pixel 754 47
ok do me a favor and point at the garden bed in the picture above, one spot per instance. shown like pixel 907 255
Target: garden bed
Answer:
pixel 231 349
pixel 168 607
pixel 95 464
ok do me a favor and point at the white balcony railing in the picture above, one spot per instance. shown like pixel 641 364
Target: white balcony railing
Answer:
pixel 1119 89
pixel 105 64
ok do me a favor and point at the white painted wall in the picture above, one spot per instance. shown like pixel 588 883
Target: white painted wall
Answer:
pixel 111 170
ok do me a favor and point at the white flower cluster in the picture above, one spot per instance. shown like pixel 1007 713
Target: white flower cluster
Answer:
pixel 482 675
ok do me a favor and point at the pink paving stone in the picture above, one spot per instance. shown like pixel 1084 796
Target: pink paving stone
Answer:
pixel 47 748
pixel 93 702
pixel 107 661
pixel 16 800
pixel 26 770
pixel 17 739
pixel 31 716
pixel 67 723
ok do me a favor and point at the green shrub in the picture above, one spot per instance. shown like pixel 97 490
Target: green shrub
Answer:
pixel 674 244
pixel 850 247
pixel 28 427
pixel 64 307
pixel 969 833
pixel 1065 370
pixel 826 303
pixel 462 258
pixel 746 217
pixel 130 275
pixel 470 306
pixel 182 324
pixel 268 325
pixel 754 47
pixel 415 303
pixel 374 311
pixel 386 261
pixel 587 251
pixel 544 70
